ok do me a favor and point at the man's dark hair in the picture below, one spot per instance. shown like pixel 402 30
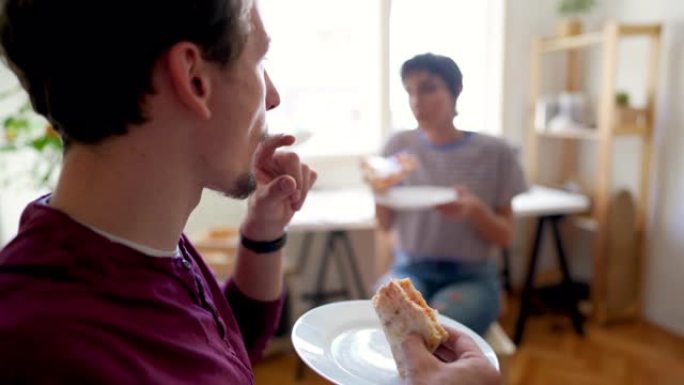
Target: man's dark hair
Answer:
pixel 87 64
pixel 441 66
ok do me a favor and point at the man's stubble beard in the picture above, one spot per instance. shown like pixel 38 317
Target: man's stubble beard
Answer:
pixel 243 187
pixel 246 183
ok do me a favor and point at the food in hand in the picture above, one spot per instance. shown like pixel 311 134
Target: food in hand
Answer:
pixel 403 311
pixel 383 173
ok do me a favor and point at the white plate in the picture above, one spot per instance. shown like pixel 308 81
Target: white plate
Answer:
pixel 415 197
pixel 344 343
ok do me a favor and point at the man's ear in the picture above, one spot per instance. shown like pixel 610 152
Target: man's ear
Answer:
pixel 190 77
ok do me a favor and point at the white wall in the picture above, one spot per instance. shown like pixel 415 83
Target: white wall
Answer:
pixel 666 265
pixel 527 19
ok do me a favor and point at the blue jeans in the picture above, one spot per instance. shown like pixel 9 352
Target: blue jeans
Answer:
pixel 468 292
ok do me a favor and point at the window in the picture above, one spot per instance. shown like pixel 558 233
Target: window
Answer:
pixel 336 64
pixel 325 61
pixel 470 32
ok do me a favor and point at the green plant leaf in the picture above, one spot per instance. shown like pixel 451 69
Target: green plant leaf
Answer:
pixel 39 143
pixel 7 147
pixel 575 7
pixel 25 130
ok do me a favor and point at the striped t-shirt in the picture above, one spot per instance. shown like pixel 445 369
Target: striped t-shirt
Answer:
pixel 484 164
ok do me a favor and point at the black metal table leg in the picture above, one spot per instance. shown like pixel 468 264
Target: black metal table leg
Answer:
pixel 570 300
pixel 353 263
pixel 335 238
pixel 529 280
pixel 567 279
pixel 305 252
pixel 320 295
pixel 322 270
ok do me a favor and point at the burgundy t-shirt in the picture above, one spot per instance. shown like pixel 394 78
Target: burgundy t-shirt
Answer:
pixel 76 308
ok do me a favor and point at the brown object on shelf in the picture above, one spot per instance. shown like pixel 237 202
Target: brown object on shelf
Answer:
pixel 622 261
pixel 629 116
pixel 568 27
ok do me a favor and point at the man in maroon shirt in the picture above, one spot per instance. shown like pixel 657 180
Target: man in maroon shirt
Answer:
pixel 155 101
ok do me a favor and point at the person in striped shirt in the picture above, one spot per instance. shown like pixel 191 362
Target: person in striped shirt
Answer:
pixel 448 251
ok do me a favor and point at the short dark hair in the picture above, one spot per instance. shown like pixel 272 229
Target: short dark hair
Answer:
pixel 439 65
pixel 87 64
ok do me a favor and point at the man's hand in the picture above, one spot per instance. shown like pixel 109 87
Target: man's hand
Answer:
pixel 495 226
pixel 466 206
pixel 460 362
pixel 282 185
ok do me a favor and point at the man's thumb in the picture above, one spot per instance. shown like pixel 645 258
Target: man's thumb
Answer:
pixel 280 188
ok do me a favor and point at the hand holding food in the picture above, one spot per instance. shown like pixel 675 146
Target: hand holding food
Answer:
pixel 403 312
pixel 383 173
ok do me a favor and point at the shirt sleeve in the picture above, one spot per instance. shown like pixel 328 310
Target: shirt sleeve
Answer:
pixel 511 178
pixel 394 145
pixel 257 320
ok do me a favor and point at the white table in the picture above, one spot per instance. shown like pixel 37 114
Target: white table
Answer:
pixel 329 210
pixel 549 206
pixel 540 201
pixel 336 212
pixel 354 209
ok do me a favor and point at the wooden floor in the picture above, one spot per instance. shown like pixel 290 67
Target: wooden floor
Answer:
pixel 633 354
pixel 551 354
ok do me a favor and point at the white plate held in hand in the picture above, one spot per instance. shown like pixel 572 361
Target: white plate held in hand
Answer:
pixel 415 197
pixel 344 343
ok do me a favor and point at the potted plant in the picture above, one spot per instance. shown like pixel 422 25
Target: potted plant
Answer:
pixel 622 99
pixel 30 149
pixel 571 12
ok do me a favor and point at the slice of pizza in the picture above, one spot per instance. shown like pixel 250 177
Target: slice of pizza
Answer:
pixel 403 311
pixel 383 173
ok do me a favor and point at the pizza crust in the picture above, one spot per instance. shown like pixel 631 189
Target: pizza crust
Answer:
pixel 403 311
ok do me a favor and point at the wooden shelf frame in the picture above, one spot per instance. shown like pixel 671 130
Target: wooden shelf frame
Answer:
pixel 591 133
pixel 607 130
pixel 571 42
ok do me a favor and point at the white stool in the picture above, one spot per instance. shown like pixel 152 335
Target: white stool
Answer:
pixel 502 345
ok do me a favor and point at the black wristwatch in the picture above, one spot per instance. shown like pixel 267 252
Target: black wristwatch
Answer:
pixel 263 247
